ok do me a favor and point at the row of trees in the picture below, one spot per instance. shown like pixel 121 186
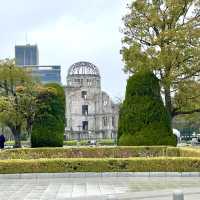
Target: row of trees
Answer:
pixel 25 103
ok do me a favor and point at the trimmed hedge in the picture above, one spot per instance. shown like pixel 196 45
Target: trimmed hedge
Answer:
pixel 89 152
pixel 160 164
pixel 12 142
pixel 108 142
pixel 100 159
pixel 83 142
pixel 48 127
pixel 189 152
pixel 143 118
pixel 70 143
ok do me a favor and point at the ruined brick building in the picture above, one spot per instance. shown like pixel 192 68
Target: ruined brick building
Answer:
pixel 90 112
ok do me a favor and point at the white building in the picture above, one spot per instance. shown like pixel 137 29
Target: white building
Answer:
pixel 90 112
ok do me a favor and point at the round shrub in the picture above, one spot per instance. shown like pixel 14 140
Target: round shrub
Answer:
pixel 143 119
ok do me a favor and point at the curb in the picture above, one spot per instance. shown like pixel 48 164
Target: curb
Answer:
pixel 100 174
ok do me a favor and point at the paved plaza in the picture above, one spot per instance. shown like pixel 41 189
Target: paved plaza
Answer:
pixel 98 188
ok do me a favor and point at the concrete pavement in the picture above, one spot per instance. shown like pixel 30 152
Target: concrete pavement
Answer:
pixel 98 188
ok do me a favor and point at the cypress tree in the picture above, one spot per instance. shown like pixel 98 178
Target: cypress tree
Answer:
pixel 143 118
pixel 48 127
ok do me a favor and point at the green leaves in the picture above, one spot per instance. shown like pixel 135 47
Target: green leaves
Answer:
pixel 18 93
pixel 48 128
pixel 163 37
pixel 143 119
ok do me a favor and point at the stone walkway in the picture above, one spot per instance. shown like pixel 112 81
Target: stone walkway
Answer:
pixel 99 188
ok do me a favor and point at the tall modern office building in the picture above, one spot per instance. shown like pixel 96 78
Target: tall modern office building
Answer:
pixel 27 56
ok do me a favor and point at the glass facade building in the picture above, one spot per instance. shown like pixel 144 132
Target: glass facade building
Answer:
pixel 26 55
pixel 46 74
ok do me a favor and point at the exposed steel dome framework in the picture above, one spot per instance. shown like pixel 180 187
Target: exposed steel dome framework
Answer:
pixel 83 68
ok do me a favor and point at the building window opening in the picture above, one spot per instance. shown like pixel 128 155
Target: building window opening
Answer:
pixel 105 102
pixel 85 110
pixel 113 121
pixel 89 82
pixel 77 81
pixel 105 121
pixel 85 125
pixel 84 94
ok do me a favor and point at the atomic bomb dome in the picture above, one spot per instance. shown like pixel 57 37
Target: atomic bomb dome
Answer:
pixel 83 68
pixel 90 112
pixel 83 74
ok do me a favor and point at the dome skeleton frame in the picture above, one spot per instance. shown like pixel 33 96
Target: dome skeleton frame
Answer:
pixel 83 68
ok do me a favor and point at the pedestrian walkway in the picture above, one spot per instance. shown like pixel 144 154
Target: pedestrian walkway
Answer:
pixel 99 188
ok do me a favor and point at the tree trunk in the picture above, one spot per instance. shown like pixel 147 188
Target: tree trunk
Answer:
pixel 168 102
pixel 17 136
pixel 29 126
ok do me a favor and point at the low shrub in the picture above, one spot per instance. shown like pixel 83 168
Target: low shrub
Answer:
pixel 84 142
pixel 107 142
pixel 189 152
pixel 89 152
pixel 70 143
pixel 160 164
pixel 12 142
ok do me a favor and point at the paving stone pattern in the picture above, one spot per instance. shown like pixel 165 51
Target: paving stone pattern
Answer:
pixel 98 188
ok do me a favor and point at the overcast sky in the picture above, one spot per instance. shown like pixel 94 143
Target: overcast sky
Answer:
pixel 68 31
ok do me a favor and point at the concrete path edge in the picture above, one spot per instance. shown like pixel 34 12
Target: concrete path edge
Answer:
pixel 99 174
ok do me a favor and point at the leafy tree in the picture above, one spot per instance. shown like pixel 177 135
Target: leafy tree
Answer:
pixel 187 97
pixel 48 127
pixel 187 124
pixel 143 118
pixel 163 36
pixel 17 98
pixel 58 106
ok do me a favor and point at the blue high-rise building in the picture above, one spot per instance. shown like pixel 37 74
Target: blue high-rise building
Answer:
pixel 27 56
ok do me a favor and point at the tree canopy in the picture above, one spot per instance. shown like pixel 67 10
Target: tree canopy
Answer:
pixel 163 36
pixel 18 93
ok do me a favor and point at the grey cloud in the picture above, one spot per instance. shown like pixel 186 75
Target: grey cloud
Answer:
pixel 101 43
pixel 27 14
